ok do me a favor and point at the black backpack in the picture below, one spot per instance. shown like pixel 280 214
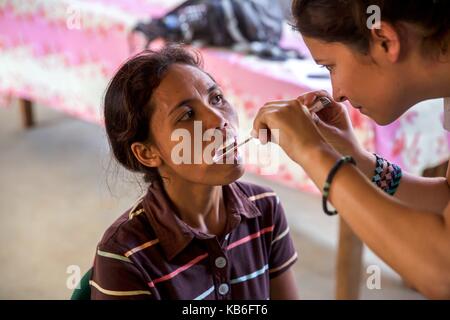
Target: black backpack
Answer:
pixel 250 26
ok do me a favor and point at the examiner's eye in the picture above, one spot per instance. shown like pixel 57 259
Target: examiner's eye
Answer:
pixel 329 68
pixel 217 99
pixel 186 116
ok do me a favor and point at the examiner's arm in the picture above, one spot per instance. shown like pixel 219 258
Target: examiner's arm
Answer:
pixel 431 194
pixel 415 242
pixel 412 239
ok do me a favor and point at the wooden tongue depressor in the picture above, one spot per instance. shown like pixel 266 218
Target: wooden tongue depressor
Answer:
pixel 321 103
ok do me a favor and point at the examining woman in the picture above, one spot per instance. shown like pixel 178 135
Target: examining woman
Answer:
pixel 382 71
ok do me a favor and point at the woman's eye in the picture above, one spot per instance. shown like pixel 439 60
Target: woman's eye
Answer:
pixel 329 68
pixel 218 99
pixel 188 115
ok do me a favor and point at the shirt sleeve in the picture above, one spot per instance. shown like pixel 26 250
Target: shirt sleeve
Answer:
pixel 282 251
pixel 116 277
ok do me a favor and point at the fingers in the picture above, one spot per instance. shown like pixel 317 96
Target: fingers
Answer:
pixel 261 123
pixel 270 117
pixel 309 98
pixel 261 128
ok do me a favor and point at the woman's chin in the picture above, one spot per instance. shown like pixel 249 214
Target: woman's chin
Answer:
pixel 228 173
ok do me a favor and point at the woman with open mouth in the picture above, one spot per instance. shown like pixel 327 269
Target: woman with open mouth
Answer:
pixel 197 233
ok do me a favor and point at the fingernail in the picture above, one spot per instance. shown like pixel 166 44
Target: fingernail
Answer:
pixel 315 117
pixel 263 139
pixel 254 134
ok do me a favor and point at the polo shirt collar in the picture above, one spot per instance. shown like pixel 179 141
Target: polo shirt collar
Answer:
pixel 173 233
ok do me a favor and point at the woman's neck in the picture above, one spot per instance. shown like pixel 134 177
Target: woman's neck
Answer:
pixel 200 206
pixel 435 80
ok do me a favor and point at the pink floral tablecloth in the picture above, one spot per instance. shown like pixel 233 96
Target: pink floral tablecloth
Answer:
pixel 62 53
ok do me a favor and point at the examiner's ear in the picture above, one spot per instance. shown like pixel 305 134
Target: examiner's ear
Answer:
pixel 146 154
pixel 386 42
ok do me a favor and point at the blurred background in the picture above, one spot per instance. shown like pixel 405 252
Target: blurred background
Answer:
pixel 60 189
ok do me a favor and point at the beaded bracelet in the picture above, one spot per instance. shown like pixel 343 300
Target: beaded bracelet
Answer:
pixel 387 175
pixel 326 187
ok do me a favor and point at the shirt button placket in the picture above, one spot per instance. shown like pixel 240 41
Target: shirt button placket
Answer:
pixel 220 270
pixel 220 263
pixel 223 288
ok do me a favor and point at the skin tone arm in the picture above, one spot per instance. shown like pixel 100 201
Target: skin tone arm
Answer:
pixel 430 194
pixel 284 287
pixel 414 242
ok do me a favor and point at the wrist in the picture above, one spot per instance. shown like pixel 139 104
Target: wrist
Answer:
pixel 366 162
pixel 317 161
pixel 314 154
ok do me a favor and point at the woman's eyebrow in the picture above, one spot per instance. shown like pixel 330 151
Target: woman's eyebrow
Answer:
pixel 213 88
pixel 187 101
pixel 180 104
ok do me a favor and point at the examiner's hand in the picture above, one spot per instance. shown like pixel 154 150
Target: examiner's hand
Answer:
pixel 299 131
pixel 334 124
pixel 289 124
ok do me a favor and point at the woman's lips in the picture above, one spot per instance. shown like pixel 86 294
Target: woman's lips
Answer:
pixel 226 150
pixel 225 147
pixel 229 142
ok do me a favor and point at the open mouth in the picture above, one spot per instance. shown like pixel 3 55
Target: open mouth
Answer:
pixel 225 149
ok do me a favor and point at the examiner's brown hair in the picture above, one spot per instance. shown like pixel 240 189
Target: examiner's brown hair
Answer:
pixel 345 21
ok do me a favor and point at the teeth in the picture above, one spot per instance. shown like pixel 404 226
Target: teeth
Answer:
pixel 224 149
pixel 227 144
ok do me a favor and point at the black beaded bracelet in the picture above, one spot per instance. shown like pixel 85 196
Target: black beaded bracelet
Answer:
pixel 326 187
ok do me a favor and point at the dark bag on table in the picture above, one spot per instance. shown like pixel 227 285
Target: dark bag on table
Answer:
pixel 250 26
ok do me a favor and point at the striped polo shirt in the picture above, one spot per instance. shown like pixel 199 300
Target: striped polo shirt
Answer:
pixel 150 253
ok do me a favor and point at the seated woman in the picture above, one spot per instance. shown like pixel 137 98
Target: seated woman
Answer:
pixel 197 233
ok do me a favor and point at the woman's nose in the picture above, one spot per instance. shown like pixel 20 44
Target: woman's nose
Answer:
pixel 215 120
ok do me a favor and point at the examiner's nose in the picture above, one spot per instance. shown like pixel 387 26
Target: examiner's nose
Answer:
pixel 339 98
pixel 338 95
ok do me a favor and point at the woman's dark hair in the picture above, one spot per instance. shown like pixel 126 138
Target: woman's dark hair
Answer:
pixel 345 21
pixel 127 105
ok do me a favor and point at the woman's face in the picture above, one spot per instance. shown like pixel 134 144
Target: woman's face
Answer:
pixel 191 120
pixel 377 87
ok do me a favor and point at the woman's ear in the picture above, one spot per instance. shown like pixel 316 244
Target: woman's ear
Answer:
pixel 146 154
pixel 386 42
